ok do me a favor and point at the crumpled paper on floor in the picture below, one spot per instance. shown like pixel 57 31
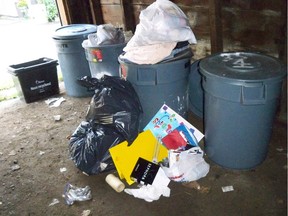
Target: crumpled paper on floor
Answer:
pixel 149 193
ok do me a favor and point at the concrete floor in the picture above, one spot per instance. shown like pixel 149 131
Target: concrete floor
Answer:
pixel 258 192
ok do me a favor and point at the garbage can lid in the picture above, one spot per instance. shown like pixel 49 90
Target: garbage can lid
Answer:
pixel 74 31
pixel 242 66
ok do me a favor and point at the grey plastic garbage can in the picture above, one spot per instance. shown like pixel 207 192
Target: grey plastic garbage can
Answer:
pixel 241 96
pixel 160 83
pixel 103 59
pixel 68 40
pixel 195 92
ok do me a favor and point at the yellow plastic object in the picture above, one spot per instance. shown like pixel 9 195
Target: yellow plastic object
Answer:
pixel 125 157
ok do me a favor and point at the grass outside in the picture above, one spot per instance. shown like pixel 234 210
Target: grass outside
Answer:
pixel 7 89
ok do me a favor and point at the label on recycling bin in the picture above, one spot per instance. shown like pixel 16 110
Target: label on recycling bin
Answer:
pixel 97 55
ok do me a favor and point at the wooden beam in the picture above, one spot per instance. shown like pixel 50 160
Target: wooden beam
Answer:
pixel 63 10
pixel 96 11
pixel 283 42
pixel 215 25
pixel 128 15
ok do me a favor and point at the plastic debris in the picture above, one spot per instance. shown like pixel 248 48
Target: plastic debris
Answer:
pixel 227 188
pixel 280 149
pixel 186 166
pixel 57 117
pixel 41 152
pixel 86 213
pixel 54 202
pixel 73 193
pixel 54 102
pixel 15 167
pixel 12 153
pixel 63 169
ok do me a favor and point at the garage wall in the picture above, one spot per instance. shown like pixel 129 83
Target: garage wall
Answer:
pixel 258 25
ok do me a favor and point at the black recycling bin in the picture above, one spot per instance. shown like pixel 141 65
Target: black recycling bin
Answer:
pixel 35 80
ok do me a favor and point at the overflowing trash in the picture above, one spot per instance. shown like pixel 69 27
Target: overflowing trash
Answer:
pixel 109 138
pixel 102 50
pixel 152 164
pixel 163 27
pixel 106 34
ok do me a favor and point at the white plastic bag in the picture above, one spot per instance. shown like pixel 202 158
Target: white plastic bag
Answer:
pixel 106 34
pixel 161 22
pixel 186 166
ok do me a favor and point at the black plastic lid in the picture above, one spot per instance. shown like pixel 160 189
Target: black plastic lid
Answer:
pixel 74 31
pixel 242 66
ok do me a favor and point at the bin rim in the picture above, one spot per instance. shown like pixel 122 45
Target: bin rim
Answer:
pixel 184 55
pixel 104 46
pixel 74 31
pixel 16 69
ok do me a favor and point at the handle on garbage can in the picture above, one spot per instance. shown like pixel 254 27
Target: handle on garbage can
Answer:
pixel 253 93
pixel 146 76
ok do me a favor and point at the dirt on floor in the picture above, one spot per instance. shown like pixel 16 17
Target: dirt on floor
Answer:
pixel 34 149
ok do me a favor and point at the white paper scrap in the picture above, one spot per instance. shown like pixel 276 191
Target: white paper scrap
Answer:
pixel 57 117
pixel 54 202
pixel 54 102
pixel 63 169
pixel 161 179
pixel 227 189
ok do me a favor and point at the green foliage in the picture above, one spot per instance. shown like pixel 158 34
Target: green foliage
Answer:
pixel 8 94
pixel 22 3
pixel 52 12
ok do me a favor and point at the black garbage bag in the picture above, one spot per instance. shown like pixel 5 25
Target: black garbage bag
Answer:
pixel 115 102
pixel 89 147
pixel 113 117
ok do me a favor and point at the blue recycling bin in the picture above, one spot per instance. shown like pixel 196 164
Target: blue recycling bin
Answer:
pixel 71 56
pixel 241 94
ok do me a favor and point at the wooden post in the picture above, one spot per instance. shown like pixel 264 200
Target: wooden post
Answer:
pixel 96 11
pixel 64 14
pixel 215 25
pixel 128 15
